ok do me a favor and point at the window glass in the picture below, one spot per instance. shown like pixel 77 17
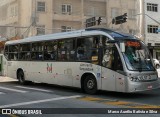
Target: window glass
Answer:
pixel 137 56
pixel 13 48
pixel 25 47
pixel 108 57
pixel 6 48
pixel 41 30
pixel 37 51
pixel 87 49
pixel 13 52
pixel 70 44
pixel 66 50
pixel 66 9
pixel 25 52
pixel 50 50
pixel 6 51
pixel 41 6
pixel 152 7
pixel 66 28
pixel 152 29
pixel 62 50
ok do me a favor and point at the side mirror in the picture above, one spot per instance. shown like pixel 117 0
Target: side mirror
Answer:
pixel 122 47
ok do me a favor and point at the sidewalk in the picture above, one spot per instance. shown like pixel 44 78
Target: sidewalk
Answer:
pixel 6 79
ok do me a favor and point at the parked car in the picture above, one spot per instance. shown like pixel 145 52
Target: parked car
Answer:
pixel 156 63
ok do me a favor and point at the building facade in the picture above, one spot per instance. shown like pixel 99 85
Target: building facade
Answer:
pixel 25 18
pixel 34 17
pixel 151 22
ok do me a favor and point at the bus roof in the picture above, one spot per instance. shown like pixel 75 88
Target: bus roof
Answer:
pixel 114 34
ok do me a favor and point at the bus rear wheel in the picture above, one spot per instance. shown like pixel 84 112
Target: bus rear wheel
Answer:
pixel 21 77
pixel 90 84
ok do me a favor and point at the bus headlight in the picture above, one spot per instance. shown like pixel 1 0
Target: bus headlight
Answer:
pixel 134 79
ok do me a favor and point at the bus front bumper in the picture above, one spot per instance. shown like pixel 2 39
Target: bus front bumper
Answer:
pixel 143 86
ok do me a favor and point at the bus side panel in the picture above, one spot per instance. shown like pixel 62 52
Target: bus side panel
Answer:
pixel 82 68
pixel 11 67
pixel 62 72
pixel 121 82
pixel 50 72
pixel 3 65
pixel 108 79
pixel 4 68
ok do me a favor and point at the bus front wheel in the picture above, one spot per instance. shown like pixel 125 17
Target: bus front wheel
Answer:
pixel 90 84
pixel 21 77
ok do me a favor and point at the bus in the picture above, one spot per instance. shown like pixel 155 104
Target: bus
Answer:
pixel 91 59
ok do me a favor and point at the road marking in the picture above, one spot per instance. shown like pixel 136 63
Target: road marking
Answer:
pixel 90 98
pixel 39 101
pixel 15 90
pixel 87 98
pixel 37 89
pixel 118 103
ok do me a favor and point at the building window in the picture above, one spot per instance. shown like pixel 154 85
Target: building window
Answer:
pixel 66 9
pixel 41 30
pixel 66 28
pixel 132 14
pixel 41 6
pixel 152 7
pixel 115 12
pixel 152 29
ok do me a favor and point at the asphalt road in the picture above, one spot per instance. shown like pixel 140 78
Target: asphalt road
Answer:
pixel 63 101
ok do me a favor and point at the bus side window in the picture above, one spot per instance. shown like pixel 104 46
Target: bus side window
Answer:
pixel 6 51
pixel 54 52
pixel 87 49
pixel 80 52
pixel 50 50
pixel 25 51
pixel 66 50
pixel 83 46
pixel 13 52
pixel 37 51
pixel 62 50
pixel 70 49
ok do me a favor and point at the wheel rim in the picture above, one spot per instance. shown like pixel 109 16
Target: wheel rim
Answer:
pixel 90 84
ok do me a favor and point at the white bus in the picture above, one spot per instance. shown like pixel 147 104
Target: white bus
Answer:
pixel 91 59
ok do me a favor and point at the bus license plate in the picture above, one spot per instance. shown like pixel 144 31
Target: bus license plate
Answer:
pixel 150 87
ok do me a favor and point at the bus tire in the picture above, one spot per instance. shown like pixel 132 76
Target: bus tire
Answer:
pixel 90 84
pixel 21 77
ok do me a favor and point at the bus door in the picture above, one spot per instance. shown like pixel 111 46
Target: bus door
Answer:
pixel 112 69
pixel 119 72
pixel 108 73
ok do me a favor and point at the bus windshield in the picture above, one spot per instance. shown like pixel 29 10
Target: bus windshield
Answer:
pixel 137 56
